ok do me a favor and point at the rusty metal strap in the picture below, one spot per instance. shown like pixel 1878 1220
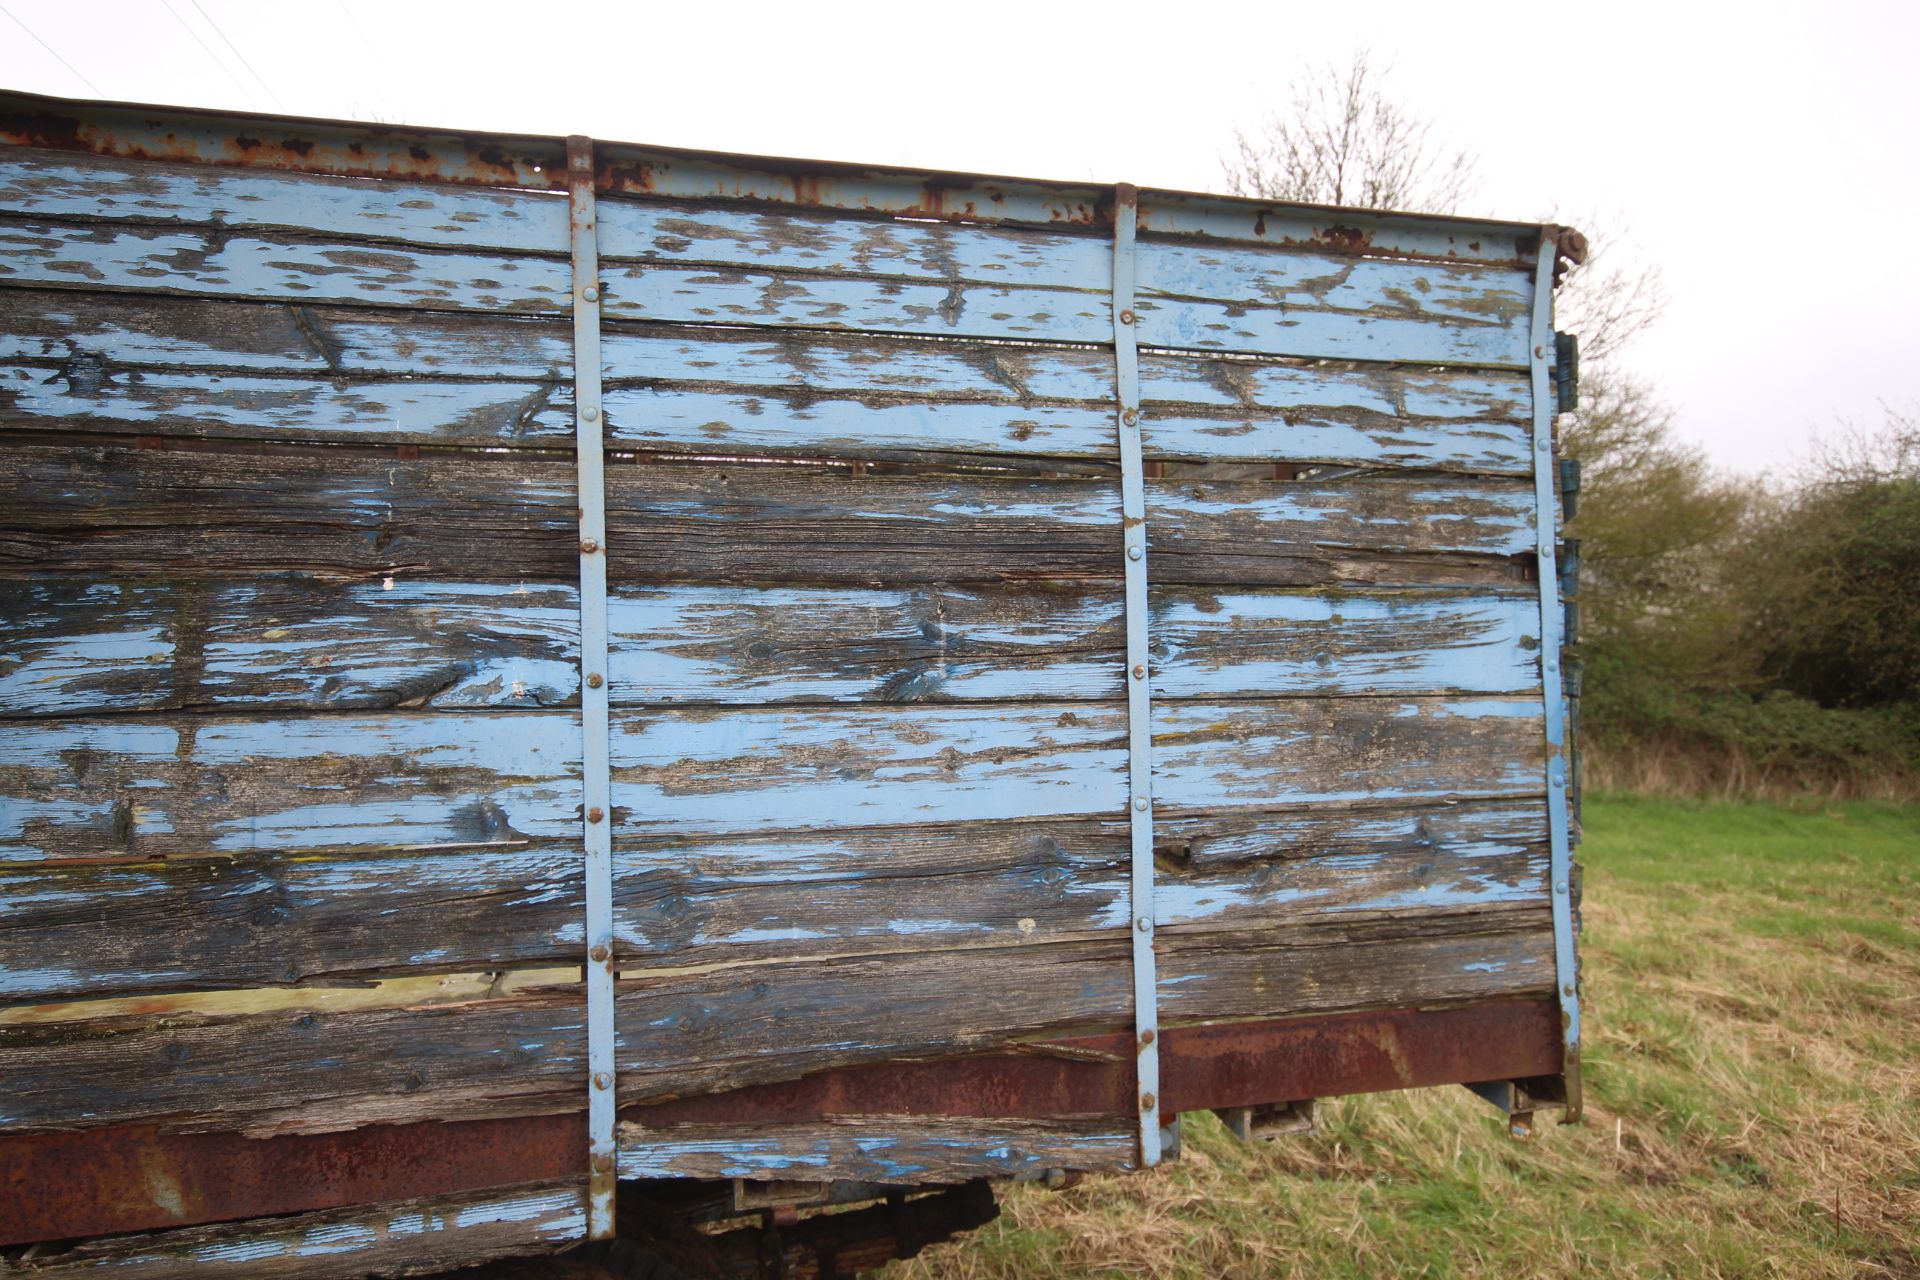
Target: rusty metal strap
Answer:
pixel 1133 522
pixel 1552 685
pixel 596 778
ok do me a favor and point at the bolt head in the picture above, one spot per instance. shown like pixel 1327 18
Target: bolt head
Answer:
pixel 590 293
pixel 1126 317
pixel 590 413
pixel 1134 553
pixel 595 680
pixel 595 815
pixel 1143 924
pixel 1561 887
pixel 1148 1102
pixel 599 953
pixel 588 546
pixel 602 1080
pixel 1131 417
pixel 1141 804
pixel 1139 671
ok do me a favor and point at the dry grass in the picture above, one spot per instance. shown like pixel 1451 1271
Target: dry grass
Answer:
pixel 1753 1076
pixel 1678 770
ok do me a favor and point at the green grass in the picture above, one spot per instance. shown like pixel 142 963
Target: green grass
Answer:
pixel 1752 1064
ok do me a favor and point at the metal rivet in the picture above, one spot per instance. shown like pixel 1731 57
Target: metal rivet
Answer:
pixel 595 680
pixel 594 815
pixel 590 293
pixel 1540 352
pixel 588 546
pixel 1139 671
pixel 1148 1102
pixel 603 1163
pixel 1141 804
pixel 590 413
pixel 1146 1037
pixel 601 1080
pixel 1143 924
pixel 1134 553
pixel 1560 887
pixel 1131 417
pixel 1126 317
pixel 599 953
pixel 1567 990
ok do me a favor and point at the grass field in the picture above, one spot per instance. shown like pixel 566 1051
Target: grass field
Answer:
pixel 1752 989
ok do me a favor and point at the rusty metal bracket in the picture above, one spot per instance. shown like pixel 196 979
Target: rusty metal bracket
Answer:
pixel 1133 523
pixel 596 777
pixel 1552 686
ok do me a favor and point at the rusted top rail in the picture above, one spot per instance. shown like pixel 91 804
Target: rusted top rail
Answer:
pixel 355 149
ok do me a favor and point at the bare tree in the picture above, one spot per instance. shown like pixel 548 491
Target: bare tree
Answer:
pixel 1345 140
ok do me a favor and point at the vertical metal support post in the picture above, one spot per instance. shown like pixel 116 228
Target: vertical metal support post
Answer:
pixel 1133 523
pixel 1552 683
pixel 597 784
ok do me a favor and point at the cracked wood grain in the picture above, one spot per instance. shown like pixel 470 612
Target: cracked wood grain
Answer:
pixel 72 931
pixel 97 509
pixel 695 1031
pixel 106 362
pixel 290 643
pixel 183 786
pixel 140 226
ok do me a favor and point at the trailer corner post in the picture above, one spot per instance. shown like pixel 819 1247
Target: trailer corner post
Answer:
pixel 1133 522
pixel 596 777
pixel 1552 684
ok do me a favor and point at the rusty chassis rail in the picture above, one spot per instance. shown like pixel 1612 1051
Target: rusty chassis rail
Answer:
pixel 90 1182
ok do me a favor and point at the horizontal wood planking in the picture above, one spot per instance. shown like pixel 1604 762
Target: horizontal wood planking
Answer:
pixel 701 1032
pixel 195 785
pixel 291 643
pixel 53 187
pixel 709 264
pixel 142 363
pixel 1293 303
pixel 98 510
pixel 298 1072
pixel 518 161
pixel 903 1150
pixel 693 1031
pixel 72 931
pixel 399 1238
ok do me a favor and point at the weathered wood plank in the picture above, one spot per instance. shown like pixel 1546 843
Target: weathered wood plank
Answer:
pixel 65 187
pixel 298 1072
pixel 139 362
pixel 131 511
pixel 194 924
pixel 294 643
pixel 223 265
pixel 690 1031
pixel 1242 298
pixel 219 264
pixel 198 785
pixel 903 1150
pixel 686 262
pixel 1340 750
pixel 399 1238
pixel 73 931
pixel 704 1031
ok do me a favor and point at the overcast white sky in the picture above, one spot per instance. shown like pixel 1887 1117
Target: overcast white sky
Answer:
pixel 1765 155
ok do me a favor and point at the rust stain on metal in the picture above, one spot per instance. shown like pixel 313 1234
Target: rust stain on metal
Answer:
pixel 1344 239
pixel 137 1178
pixel 342 149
